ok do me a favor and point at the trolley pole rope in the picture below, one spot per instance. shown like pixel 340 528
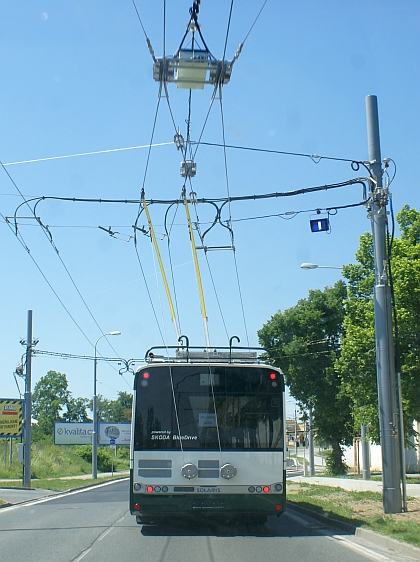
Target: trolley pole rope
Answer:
pixel 197 271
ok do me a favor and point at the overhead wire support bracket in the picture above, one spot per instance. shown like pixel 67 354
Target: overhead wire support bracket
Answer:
pixel 192 68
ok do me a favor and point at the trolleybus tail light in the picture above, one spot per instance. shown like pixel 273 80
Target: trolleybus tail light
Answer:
pixel 273 376
pixel 266 489
pixel 137 486
pixel 137 507
pixel 149 489
pixel 278 507
pixel 146 375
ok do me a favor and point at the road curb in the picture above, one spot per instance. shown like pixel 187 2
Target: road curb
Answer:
pixel 5 505
pixel 393 544
pixel 376 538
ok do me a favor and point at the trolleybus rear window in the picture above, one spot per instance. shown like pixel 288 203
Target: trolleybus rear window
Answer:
pixel 208 408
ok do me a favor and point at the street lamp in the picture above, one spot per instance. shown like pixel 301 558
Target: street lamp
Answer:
pixel 315 266
pixel 95 411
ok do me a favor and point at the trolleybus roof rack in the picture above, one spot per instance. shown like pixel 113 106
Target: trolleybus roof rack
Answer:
pixel 187 354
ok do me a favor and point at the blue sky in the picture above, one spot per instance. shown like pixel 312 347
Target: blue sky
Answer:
pixel 77 78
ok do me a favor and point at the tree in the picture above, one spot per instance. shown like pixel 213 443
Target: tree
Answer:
pixel 305 341
pixel 49 398
pixel 76 410
pixel 121 408
pixel 114 410
pixel 357 364
pixel 103 408
pixel 52 402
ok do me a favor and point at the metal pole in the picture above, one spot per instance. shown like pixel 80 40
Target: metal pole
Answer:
pixel 95 409
pixel 95 423
pixel 311 446
pixel 385 367
pixel 28 407
pixel 365 452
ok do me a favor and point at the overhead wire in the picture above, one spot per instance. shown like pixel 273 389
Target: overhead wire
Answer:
pixel 168 234
pixel 49 238
pixel 23 244
pixel 230 220
pixel 148 290
pixel 107 151
pixel 228 28
pixel 214 93
pixel 314 157
pixel 255 21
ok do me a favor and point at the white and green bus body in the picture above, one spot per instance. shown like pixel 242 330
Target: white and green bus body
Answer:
pixel 208 438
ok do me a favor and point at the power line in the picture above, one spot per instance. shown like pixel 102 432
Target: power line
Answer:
pixel 47 233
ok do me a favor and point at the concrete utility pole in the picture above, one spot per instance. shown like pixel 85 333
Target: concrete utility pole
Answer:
pixel 385 363
pixel 365 452
pixel 28 407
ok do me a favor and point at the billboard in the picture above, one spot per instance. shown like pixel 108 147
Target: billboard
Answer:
pixel 10 417
pixel 75 433
pixel 120 433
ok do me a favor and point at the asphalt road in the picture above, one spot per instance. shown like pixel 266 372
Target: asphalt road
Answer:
pixel 94 525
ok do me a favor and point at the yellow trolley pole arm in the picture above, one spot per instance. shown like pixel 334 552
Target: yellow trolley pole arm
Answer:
pixel 162 270
pixel 197 272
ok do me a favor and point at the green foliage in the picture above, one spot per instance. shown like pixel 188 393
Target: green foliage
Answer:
pixel 305 340
pixel 345 506
pixel 117 411
pixel 334 466
pixel 64 484
pixel 357 363
pixel 48 400
pixel 53 402
pixel 104 456
pixel 47 460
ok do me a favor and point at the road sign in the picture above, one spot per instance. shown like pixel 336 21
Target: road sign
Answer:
pixel 112 441
pixel 10 417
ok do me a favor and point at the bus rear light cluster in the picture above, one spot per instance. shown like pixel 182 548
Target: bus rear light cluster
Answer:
pixel 156 489
pixel 259 489
pixel 266 489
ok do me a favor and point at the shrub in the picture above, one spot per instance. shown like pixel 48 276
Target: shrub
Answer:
pixel 333 468
pixel 104 457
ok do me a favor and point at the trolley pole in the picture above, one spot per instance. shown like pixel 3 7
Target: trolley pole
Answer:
pixel 385 365
pixel 28 407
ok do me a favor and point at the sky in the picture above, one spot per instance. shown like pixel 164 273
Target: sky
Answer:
pixel 77 79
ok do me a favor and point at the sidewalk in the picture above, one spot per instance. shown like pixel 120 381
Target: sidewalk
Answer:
pixel 353 484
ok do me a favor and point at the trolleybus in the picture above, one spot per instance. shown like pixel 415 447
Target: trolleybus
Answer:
pixel 208 436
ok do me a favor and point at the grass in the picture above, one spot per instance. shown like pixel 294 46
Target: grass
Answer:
pixel 63 484
pixel 360 509
pixel 50 461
